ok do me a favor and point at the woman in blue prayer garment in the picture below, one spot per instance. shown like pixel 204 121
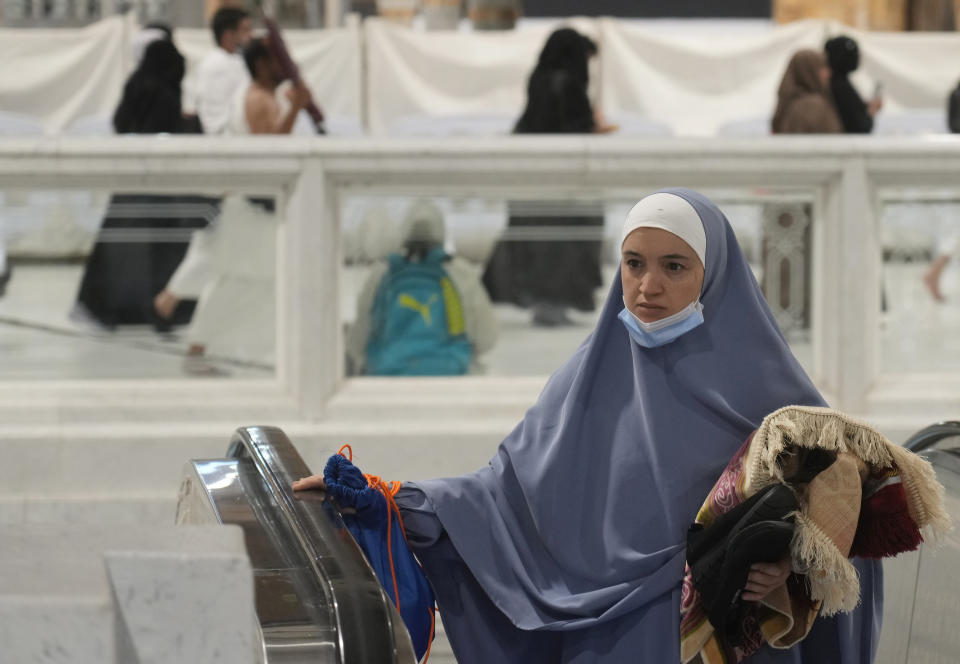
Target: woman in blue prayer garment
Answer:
pixel 569 547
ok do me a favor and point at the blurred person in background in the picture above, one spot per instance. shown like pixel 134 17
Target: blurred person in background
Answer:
pixel 946 248
pixel 5 271
pixel 547 275
pixel 423 312
pixel 236 300
pixel 843 56
pixel 234 320
pixel 804 105
pixel 260 110
pixel 221 76
pixel 149 33
pixel 222 73
pixel 143 236
pixel 159 31
pixel 953 110
pixel 948 245
pixel 151 101
pixel 557 100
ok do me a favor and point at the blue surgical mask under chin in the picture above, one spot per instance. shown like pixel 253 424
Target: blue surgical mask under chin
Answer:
pixel 665 330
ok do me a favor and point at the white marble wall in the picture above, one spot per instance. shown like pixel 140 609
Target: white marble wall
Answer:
pixel 132 595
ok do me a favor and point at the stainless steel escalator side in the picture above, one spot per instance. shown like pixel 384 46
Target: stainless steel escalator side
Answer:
pixel 921 619
pixel 368 626
pixel 935 625
pixel 932 435
pixel 296 622
pixel 317 599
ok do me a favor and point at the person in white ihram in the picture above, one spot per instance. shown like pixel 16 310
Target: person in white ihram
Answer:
pixel 221 75
pixel 234 317
pixel 222 72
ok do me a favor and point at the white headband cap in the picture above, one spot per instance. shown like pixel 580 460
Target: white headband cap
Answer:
pixel 671 213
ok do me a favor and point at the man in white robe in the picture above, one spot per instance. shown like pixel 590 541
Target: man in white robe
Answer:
pixel 235 316
pixel 221 76
pixel 222 72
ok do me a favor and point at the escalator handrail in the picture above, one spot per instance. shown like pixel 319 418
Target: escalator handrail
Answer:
pixel 931 435
pixel 278 462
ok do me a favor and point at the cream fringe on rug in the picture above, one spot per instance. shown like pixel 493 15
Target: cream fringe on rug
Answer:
pixel 833 579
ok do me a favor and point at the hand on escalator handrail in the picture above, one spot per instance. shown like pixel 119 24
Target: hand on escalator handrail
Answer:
pixel 313 482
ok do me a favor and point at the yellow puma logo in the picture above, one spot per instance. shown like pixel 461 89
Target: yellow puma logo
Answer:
pixel 411 302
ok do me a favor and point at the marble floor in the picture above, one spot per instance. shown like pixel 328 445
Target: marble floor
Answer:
pixel 919 334
pixel 39 340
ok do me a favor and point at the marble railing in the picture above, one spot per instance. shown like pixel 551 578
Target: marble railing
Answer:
pixel 845 179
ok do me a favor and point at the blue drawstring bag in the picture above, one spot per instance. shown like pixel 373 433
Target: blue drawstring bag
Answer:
pixel 377 527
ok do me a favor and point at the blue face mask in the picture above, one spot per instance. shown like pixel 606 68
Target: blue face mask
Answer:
pixel 665 330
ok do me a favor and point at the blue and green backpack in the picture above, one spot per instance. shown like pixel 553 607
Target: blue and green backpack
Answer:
pixel 417 324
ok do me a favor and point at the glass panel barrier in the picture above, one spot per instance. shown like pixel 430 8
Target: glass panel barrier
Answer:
pixel 546 264
pixel 920 319
pixel 136 286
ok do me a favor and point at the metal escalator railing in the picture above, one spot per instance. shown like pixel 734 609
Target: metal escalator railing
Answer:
pixel 932 586
pixel 931 435
pixel 317 598
pixel 921 620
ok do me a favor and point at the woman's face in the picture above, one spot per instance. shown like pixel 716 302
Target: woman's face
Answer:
pixel 824 74
pixel 661 274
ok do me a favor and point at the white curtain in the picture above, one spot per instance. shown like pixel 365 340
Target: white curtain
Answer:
pixel 57 76
pixel 697 82
pixel 450 73
pixel 693 77
pixel 918 70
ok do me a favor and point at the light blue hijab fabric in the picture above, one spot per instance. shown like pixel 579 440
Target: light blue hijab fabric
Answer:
pixel 581 517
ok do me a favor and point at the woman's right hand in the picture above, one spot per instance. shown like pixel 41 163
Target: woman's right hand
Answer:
pixel 310 483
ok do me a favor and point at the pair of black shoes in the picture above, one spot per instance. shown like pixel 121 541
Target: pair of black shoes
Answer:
pixel 720 556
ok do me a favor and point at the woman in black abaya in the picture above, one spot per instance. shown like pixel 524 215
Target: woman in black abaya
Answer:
pixel 144 236
pixel 843 56
pixel 549 257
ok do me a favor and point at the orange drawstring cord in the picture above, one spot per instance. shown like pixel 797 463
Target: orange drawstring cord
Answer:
pixel 389 490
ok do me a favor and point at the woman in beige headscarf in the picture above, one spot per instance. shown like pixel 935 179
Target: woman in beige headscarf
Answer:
pixel 804 105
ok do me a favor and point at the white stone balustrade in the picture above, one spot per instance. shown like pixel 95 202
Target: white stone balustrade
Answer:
pixel 54 434
pixel 844 177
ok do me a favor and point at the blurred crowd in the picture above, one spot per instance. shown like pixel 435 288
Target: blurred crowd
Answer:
pixel 423 310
